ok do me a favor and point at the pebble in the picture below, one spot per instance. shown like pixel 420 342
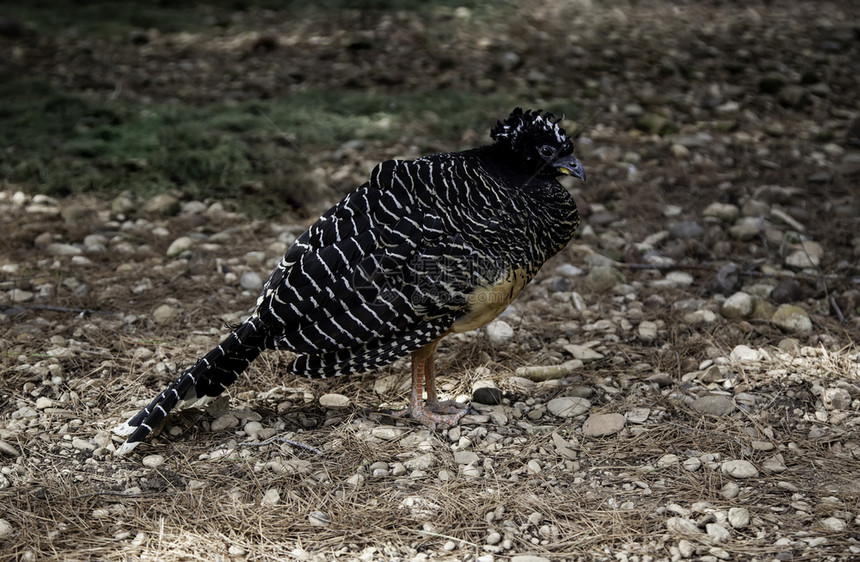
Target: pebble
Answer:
pixel 334 401
pixel 774 464
pixel 730 490
pixel 668 459
pixel 792 319
pixel 739 469
pixel 486 392
pixel 703 316
pixel 252 429
pixel 152 461
pixel 739 517
pixel 223 422
pixel 686 229
pixel 717 532
pixel 180 245
pixel 713 404
pixel 6 529
pixel 599 425
pixel 163 314
pixel 523 384
pixel 834 524
pixel 682 526
pixel 746 229
pixel 43 402
pixel 739 305
pixel 466 457
pixel 602 279
pixel 528 558
pixel 723 211
pixel 499 333
pixel 583 353
pixel 692 464
pixel 647 330
pixel 638 415
pixel 318 519
pixel 568 406
pixel 8 449
pixel 162 204
pixel 745 354
pixel 387 433
pixel 83 444
pixel 58 249
pixel 251 281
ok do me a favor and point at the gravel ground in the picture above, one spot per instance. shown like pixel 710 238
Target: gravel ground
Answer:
pixel 681 383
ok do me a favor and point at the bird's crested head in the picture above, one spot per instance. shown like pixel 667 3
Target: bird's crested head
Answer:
pixel 537 144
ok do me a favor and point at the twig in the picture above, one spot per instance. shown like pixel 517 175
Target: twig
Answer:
pixel 282 440
pixel 108 493
pixel 64 309
pixel 748 272
pixel 838 310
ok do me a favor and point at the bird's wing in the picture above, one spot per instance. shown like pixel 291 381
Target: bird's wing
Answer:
pixel 377 276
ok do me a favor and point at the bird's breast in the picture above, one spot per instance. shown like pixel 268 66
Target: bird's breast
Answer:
pixel 486 302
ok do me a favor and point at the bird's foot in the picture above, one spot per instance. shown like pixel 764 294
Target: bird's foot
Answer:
pixel 442 414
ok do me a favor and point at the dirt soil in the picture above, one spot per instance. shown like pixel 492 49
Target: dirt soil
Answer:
pixel 701 396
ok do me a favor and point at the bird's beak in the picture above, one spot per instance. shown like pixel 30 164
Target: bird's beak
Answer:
pixel 570 166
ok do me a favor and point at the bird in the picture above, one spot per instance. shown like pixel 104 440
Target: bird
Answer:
pixel 425 248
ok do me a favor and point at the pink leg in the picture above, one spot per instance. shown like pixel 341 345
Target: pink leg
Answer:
pixel 445 414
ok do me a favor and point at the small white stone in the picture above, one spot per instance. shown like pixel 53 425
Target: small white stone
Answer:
pixel 251 281
pixel 730 490
pixel 43 402
pixel 667 460
pixel 152 461
pixel 236 550
pixel 692 464
pixel 253 428
pixel 6 529
pixel 647 330
pixel 682 526
pixel 180 245
pixel 386 433
pixel 224 422
pixel 599 425
pixel 568 406
pixel 638 415
pixel 499 333
pixel 834 524
pixel 318 519
pixel 271 497
pixel 739 517
pixel 739 469
pixel 717 532
pixel 493 538
pixel 744 354
pixel 163 314
pixel 739 305
pixel 334 401
pixel 466 457
pixel 83 444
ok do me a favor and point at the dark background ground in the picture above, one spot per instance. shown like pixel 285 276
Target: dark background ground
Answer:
pixel 254 117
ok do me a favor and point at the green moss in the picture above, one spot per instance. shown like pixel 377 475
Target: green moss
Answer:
pixel 60 144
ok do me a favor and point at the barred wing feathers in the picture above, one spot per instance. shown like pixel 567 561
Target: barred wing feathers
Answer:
pixel 376 277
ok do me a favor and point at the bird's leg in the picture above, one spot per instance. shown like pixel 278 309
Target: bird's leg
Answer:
pixel 433 403
pixel 445 414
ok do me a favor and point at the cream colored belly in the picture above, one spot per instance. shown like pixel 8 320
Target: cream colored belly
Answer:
pixel 485 303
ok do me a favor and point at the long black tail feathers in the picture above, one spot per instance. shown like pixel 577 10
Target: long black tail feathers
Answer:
pixel 201 383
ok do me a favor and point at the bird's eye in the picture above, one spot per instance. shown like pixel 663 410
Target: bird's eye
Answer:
pixel 547 151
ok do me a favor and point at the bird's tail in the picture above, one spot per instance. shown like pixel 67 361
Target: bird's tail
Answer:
pixel 209 377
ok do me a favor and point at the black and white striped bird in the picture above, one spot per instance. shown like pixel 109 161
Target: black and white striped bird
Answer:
pixel 425 248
